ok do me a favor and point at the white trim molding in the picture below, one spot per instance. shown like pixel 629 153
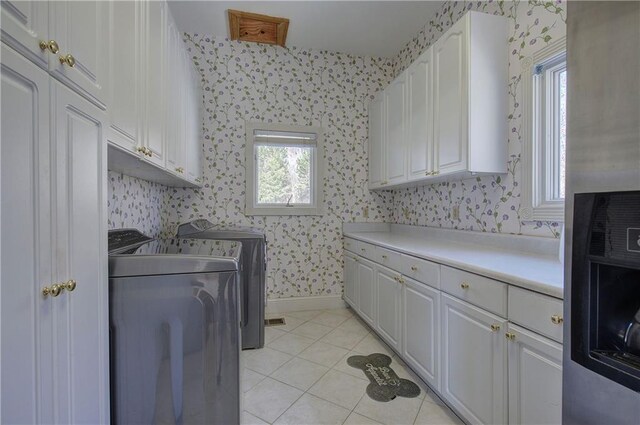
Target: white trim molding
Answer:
pixel 324 302
pixel 535 204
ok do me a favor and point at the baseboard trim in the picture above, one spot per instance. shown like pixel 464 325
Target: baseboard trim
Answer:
pixel 324 302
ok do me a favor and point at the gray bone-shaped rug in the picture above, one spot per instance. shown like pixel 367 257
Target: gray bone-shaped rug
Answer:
pixel 384 384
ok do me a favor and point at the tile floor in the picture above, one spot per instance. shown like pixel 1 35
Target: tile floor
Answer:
pixel 302 376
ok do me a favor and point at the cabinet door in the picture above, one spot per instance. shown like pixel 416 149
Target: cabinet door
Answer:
pixel 155 35
pixel 81 316
pixel 376 141
pixel 535 378
pixel 388 299
pixel 194 149
pixel 351 280
pixel 175 111
pixel 395 147
pixel 26 319
pixel 79 27
pixel 450 89
pixel 421 326
pixel 124 75
pixel 367 290
pixel 419 133
pixel 474 362
pixel 24 25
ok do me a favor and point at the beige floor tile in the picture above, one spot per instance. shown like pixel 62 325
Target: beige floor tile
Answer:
pixel 436 414
pixel 340 388
pixel 342 338
pixel 304 315
pixel 299 373
pixel 247 418
pixel 355 325
pixel 372 344
pixel 344 367
pixel 291 343
pixel 250 379
pixel 346 312
pixel 270 399
pixel 290 323
pixel 398 411
pixel 355 419
pixel 312 330
pixel 313 410
pixel 329 318
pixel 325 354
pixel 271 333
pixel 265 360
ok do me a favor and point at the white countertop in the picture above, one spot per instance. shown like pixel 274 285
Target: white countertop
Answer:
pixel 534 271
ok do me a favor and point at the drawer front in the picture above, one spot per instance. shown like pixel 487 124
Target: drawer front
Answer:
pixel 540 313
pixel 421 270
pixel 478 290
pixel 367 251
pixel 351 245
pixel 388 258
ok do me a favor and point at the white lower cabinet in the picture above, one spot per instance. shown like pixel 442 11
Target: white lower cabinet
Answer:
pixel 389 301
pixel 421 326
pixel 474 362
pixel 55 364
pixel 351 279
pixel 488 369
pixel 535 378
pixel 367 291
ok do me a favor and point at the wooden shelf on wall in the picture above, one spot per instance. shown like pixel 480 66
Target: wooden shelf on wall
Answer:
pixel 245 26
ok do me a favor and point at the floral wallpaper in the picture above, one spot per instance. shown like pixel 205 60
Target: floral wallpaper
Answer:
pixel 490 203
pixel 243 82
pixel 136 203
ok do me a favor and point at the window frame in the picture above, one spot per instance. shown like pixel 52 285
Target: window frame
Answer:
pixel 252 207
pixel 540 158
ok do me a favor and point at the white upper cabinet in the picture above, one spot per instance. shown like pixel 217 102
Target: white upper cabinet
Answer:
pixel 25 24
pixel 394 153
pixel 155 70
pixel 450 105
pixel 419 124
pixel 446 114
pixel 79 28
pixel 124 39
pixel 376 141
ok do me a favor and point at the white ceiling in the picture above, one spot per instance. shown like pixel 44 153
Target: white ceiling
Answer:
pixel 367 28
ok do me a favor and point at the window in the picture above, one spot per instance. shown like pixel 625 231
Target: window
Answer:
pixel 284 173
pixel 545 115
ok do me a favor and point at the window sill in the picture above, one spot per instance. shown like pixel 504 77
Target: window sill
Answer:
pixel 283 211
pixel 543 213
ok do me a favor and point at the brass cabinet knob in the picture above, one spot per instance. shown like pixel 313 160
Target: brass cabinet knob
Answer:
pixel 464 285
pixel 50 45
pixel 414 268
pixel 68 59
pixel 510 336
pixel 401 280
pixel 53 290
pixel 435 173
pixel 69 285
pixel 384 257
pixel 384 182
pixel 363 250
pixel 141 149
pixel 556 319
pixel 495 328
pixel 180 170
pixel 148 152
pixel 396 278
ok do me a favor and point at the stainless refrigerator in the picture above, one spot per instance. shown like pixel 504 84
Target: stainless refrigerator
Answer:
pixel 601 372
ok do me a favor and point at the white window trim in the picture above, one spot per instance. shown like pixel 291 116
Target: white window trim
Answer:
pixel 534 205
pixel 317 182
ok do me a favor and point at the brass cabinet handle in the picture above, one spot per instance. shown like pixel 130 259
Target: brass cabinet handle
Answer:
pixel 510 336
pixel 69 285
pixel 495 328
pixel 464 285
pixel 414 268
pixel 401 280
pixel 556 319
pixel 53 290
pixel 68 59
pixel 148 152
pixel 435 173
pixel 50 45
pixel 180 170
pixel 141 149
